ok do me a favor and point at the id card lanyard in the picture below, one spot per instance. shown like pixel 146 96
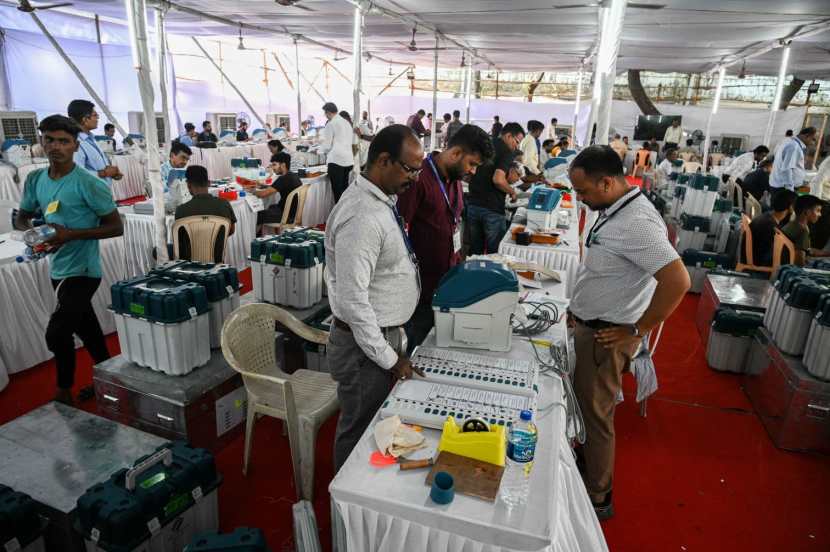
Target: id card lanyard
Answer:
pixel 452 211
pixel 603 221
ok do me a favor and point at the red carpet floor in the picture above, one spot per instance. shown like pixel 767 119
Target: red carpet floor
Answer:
pixel 698 474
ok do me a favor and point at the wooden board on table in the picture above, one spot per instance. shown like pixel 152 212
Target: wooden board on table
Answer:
pixel 471 477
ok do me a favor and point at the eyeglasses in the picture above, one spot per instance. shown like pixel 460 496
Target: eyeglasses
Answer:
pixel 413 172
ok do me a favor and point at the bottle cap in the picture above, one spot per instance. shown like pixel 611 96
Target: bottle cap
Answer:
pixel 526 415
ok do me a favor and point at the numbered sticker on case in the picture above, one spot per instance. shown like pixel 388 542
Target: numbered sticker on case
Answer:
pixel 230 290
pixel 192 311
pixel 197 494
pixel 262 258
pixel 95 534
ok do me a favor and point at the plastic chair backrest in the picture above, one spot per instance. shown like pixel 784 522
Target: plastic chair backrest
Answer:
pixel 779 243
pixel 685 155
pixel 641 157
pixel 738 196
pixel 746 236
pixel 203 233
pixel 691 166
pixel 716 158
pixel 297 196
pixel 248 341
pixel 751 206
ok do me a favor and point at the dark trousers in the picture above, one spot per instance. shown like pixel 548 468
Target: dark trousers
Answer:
pixel 419 326
pixel 74 316
pixel 362 386
pixel 487 228
pixel 339 177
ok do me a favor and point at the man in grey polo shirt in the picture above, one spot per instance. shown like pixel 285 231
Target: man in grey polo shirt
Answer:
pixel 372 282
pixel 630 280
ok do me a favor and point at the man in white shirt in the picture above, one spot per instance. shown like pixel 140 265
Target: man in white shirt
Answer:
pixel 744 163
pixel 619 146
pixel 788 166
pixel 631 279
pixel 673 135
pixel 336 144
pixel 531 147
pixel 552 129
pixel 89 155
pixel 666 167
pixel 373 285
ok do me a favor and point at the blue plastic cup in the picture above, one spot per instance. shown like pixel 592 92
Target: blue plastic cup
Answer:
pixel 443 488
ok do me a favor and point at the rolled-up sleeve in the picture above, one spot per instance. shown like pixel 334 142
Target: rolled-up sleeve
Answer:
pixel 357 249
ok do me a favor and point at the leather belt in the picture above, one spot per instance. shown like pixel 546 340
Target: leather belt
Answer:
pixel 595 324
pixel 345 327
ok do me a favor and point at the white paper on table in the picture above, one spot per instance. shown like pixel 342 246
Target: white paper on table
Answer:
pixel 254 203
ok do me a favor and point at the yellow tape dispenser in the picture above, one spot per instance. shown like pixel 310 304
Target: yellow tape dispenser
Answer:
pixel 475 439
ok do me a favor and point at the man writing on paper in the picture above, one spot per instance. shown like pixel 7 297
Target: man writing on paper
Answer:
pixel 630 281
pixel 373 285
pixel 432 209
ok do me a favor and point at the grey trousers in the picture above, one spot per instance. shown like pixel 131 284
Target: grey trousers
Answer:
pixel 362 386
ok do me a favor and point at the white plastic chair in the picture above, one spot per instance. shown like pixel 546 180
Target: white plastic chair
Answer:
pixel 752 207
pixel 304 399
pixel 691 167
pixel 203 231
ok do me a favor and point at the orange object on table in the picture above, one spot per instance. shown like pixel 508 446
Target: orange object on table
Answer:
pixel 230 195
pixel 545 239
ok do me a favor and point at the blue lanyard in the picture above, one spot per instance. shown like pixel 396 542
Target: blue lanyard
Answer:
pixel 409 248
pixel 453 212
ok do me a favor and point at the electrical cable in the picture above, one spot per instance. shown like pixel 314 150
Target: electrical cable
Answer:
pixel 543 316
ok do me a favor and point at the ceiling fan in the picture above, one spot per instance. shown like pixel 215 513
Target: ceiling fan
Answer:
pixel 413 47
pixel 293 4
pixel 26 7
pixel 604 3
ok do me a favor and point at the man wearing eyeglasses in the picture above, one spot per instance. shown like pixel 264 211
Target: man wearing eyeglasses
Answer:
pixel 630 280
pixel 488 189
pixel 373 285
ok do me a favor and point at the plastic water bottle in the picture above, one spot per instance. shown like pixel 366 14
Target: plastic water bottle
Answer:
pixel 521 447
pixel 34 236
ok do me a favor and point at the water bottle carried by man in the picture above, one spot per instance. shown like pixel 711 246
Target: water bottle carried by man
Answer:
pixel 521 447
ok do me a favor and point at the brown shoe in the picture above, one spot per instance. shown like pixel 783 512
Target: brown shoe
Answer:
pixel 64 396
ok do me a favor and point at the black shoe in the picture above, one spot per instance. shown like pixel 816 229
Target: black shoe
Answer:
pixel 86 393
pixel 64 396
pixel 605 509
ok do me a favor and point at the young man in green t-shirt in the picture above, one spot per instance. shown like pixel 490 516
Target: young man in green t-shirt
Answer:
pixel 807 211
pixel 79 206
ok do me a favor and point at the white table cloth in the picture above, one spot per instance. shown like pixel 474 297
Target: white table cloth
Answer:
pixel 563 257
pixel 134 169
pixel 26 291
pixel 138 237
pixel 386 510
pixel 319 202
pixel 9 189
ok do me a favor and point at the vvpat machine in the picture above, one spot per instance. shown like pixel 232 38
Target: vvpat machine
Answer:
pixel 17 152
pixel 473 306
pixel 542 208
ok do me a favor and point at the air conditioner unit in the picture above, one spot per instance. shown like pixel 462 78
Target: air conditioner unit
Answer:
pixel 730 143
pixel 221 121
pixel 279 120
pixel 563 130
pixel 18 125
pixel 136 122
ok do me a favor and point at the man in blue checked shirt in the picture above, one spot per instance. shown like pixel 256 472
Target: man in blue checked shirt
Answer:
pixel 89 155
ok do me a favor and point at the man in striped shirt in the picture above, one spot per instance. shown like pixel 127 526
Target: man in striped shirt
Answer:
pixel 89 155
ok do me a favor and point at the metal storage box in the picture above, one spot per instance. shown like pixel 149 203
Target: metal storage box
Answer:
pixel 793 405
pixel 221 282
pixel 738 292
pixel 87 449
pixel 157 505
pixel 162 323
pixel 730 339
pixel 20 524
pixel 242 539
pixel 205 407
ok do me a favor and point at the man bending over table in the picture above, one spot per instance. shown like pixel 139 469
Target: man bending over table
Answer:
pixel 373 285
pixel 79 206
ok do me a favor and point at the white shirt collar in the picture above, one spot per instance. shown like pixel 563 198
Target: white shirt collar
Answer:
pixel 367 186
pixel 618 204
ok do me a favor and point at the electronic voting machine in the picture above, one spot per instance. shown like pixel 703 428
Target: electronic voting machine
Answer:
pixel 463 385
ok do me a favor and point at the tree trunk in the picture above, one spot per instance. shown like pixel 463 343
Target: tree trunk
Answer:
pixel 531 89
pixel 638 94
pixel 789 92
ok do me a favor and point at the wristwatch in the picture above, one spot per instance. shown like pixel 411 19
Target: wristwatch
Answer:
pixel 635 330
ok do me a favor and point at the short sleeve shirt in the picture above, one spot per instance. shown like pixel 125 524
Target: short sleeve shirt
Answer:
pixel 76 201
pixel 286 184
pixel 797 234
pixel 483 192
pixel 615 282
pixel 206 204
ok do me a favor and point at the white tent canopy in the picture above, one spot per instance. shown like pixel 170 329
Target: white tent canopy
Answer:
pixel 682 36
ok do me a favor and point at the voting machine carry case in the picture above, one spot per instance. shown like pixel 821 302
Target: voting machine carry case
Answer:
pixel 730 338
pixel 21 528
pixel 242 539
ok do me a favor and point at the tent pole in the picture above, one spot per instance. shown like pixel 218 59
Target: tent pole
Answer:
pixel 162 55
pixel 779 89
pixel 229 81
pixel 357 59
pixel 101 56
pixel 433 134
pixel 607 67
pixel 469 89
pixel 715 105
pixel 6 100
pixel 95 97
pixel 173 90
pixel 597 84
pixel 576 103
pixel 299 92
pixel 136 12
